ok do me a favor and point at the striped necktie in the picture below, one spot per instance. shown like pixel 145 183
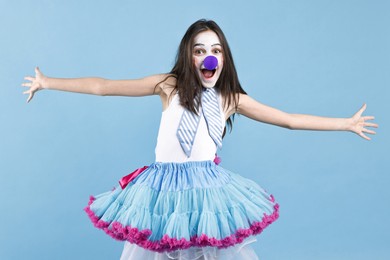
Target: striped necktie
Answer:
pixel 189 122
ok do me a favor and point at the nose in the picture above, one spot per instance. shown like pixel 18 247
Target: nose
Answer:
pixel 210 62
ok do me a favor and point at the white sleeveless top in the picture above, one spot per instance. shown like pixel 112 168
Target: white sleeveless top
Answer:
pixel 168 148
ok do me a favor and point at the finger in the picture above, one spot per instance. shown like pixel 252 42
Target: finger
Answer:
pixel 368 117
pixel 27 92
pixel 368 131
pixel 37 71
pixel 371 125
pixel 364 136
pixel 29 78
pixel 28 84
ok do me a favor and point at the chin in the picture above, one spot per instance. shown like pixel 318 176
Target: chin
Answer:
pixel 209 84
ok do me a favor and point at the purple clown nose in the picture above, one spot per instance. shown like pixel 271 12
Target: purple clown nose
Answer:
pixel 210 62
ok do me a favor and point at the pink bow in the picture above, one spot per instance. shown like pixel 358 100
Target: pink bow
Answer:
pixel 217 160
pixel 128 178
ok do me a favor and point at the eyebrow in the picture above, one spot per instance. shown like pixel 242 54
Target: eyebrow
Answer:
pixel 201 44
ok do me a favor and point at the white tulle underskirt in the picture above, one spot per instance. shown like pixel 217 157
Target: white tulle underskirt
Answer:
pixel 242 251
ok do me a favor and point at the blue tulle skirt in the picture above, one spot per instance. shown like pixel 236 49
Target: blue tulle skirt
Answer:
pixel 172 206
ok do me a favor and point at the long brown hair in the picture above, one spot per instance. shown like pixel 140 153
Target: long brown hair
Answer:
pixel 188 83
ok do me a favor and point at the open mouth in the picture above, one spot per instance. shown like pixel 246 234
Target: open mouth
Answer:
pixel 208 73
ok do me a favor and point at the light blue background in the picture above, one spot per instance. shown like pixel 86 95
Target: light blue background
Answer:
pixel 317 57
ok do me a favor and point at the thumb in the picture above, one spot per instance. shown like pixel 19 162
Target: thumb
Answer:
pixel 361 110
pixel 30 97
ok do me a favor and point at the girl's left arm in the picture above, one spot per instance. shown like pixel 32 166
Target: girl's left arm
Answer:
pixel 249 107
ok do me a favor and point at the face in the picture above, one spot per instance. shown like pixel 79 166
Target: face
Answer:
pixel 207 44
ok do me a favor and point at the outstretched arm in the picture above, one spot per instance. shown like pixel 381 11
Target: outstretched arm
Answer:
pixel 263 113
pixel 95 86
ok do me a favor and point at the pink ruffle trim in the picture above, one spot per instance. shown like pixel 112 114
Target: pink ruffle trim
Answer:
pixel 168 244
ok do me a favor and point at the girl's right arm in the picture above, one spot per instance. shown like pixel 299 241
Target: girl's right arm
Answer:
pixel 95 86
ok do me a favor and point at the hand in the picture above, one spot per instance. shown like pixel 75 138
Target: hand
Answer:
pixel 358 123
pixel 35 84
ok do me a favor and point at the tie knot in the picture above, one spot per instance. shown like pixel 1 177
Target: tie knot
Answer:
pixel 208 89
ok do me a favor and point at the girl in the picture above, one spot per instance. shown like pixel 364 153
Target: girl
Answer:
pixel 185 206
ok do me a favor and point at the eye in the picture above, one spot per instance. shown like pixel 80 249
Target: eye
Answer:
pixel 199 51
pixel 217 51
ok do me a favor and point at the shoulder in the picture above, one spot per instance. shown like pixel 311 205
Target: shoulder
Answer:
pixel 166 84
pixel 236 102
pixel 247 104
pixel 166 88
